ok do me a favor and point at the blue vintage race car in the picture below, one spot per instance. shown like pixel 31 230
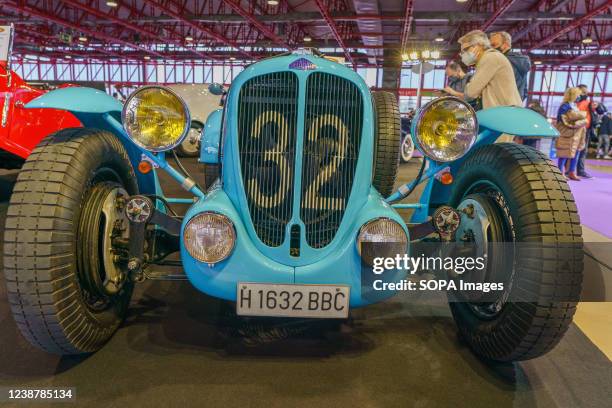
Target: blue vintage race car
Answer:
pixel 308 159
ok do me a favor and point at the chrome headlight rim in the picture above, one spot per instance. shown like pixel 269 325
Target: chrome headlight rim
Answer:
pixel 419 116
pixel 183 104
pixel 375 220
pixel 233 229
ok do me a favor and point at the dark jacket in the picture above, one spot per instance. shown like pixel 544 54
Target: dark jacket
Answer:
pixel 458 84
pixel 521 64
pixel 605 128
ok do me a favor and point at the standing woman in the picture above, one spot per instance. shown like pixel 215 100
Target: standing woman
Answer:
pixel 571 123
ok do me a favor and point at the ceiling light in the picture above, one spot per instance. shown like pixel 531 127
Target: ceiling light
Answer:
pixel 232 58
pixel 68 56
pixel 425 54
pixel 414 55
pixel 537 62
pixel 189 38
pixel 439 38
pixel 461 1
pixel 112 4
pixel 435 54
pixel 405 57
pixel 82 38
pixel 147 57
pixel 307 39
pixel 272 2
pixel 587 40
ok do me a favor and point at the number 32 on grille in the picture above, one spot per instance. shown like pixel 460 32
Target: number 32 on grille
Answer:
pixel 276 154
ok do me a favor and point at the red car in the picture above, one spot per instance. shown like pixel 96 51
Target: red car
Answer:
pixel 22 129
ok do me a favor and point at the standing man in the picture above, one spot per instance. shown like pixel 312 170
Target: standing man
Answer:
pixel 493 78
pixel 593 112
pixel 502 41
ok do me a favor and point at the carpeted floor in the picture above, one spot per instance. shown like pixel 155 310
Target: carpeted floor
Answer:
pixel 594 196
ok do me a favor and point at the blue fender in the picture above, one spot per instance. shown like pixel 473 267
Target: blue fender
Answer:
pixel 209 150
pixel 96 109
pixel 513 121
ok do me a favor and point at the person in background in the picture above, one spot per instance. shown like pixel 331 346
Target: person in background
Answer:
pixel 571 123
pixel 535 106
pixel 603 139
pixel 593 110
pixel 521 64
pixel 457 80
pixel 493 78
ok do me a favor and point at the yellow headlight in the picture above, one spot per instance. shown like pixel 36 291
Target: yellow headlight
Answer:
pixel 446 128
pixel 155 118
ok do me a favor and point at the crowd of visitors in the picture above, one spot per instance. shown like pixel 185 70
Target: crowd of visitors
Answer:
pixel 500 78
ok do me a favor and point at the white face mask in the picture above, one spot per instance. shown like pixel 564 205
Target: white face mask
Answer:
pixel 468 58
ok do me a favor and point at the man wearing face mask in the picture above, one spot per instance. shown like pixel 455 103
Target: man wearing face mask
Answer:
pixel 502 41
pixel 493 79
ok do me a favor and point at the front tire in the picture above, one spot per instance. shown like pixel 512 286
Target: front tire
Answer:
pixel 62 213
pixel 525 199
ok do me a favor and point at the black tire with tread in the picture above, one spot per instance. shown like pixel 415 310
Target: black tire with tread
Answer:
pixel 542 209
pixel 386 141
pixel 41 240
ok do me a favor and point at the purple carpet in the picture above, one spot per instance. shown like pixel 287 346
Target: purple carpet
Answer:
pixel 594 197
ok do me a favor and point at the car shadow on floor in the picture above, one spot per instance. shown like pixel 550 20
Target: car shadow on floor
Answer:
pixel 187 321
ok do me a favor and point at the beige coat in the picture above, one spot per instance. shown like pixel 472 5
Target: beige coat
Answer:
pixel 494 81
pixel 572 129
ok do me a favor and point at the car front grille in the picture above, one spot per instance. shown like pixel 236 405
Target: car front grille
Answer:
pixel 334 119
pixel 267 119
pixel 267 138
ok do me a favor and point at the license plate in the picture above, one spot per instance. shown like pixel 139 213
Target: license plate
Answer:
pixel 287 300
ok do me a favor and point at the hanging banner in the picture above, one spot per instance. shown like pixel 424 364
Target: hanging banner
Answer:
pixel 5 42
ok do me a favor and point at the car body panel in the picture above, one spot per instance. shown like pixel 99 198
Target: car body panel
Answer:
pixel 248 264
pixel 211 137
pixel 198 98
pixel 25 128
pixel 516 121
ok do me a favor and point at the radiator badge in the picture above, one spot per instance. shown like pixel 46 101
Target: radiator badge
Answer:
pixel 302 64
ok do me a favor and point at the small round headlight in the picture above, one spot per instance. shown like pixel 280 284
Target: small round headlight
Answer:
pixel 445 128
pixel 209 237
pixel 381 237
pixel 156 118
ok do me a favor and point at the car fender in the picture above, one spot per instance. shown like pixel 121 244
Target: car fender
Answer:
pixel 96 109
pixel 209 151
pixel 512 120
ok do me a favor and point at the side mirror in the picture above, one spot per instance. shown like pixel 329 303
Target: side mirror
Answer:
pixel 216 89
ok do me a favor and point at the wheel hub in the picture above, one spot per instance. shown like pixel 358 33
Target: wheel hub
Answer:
pixel 116 228
pixel 102 242
pixel 482 225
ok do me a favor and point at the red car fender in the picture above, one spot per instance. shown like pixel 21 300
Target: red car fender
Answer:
pixel 24 128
